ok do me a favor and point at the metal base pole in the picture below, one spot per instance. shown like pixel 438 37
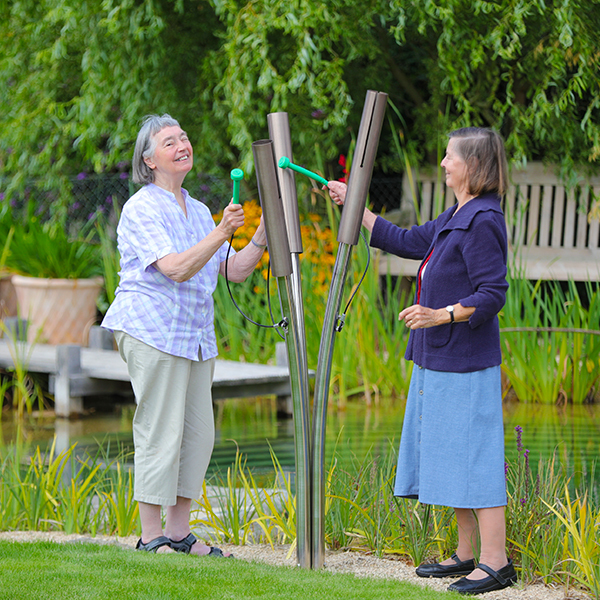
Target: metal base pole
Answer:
pixel 301 421
pixel 320 403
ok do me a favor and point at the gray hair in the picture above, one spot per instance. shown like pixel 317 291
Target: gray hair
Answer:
pixel 145 146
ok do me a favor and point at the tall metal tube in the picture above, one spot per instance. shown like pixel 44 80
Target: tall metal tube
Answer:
pixel 356 198
pixel 272 209
pixel 362 167
pixel 279 132
pixel 270 200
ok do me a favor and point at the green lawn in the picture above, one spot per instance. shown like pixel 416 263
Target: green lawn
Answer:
pixel 90 571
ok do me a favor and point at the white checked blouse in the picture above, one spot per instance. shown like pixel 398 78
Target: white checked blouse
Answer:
pixel 176 318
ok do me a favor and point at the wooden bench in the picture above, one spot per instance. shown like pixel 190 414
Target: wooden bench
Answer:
pixel 551 235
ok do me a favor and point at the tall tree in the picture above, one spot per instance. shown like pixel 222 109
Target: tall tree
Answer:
pixel 77 77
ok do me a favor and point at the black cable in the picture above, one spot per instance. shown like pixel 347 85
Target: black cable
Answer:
pixel 274 325
pixel 342 317
pixel 364 273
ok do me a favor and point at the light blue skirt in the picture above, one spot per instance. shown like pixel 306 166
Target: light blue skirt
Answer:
pixel 452 444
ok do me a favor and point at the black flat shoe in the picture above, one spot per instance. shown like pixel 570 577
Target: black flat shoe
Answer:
pixel 460 567
pixel 497 580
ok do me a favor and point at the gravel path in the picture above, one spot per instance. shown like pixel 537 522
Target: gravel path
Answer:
pixel 359 564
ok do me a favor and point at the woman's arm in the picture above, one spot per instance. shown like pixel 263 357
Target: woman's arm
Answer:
pixel 241 264
pixel 182 266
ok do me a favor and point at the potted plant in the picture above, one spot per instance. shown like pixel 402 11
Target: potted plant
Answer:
pixel 57 281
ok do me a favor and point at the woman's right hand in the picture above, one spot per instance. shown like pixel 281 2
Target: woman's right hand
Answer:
pixel 233 218
pixel 337 192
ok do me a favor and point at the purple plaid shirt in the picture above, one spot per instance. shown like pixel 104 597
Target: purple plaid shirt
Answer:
pixel 176 318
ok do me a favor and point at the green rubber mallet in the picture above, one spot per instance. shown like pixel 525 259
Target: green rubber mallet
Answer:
pixel 285 163
pixel 236 175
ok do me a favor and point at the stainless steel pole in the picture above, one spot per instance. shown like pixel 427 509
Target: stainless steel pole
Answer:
pixel 354 206
pixel 321 395
pixel 282 268
pixel 279 132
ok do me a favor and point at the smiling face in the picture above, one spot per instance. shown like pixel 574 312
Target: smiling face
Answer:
pixel 173 155
pixel 456 169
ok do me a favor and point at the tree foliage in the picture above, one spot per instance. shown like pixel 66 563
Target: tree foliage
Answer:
pixel 77 77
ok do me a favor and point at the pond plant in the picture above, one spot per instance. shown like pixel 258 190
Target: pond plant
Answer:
pixel 553 529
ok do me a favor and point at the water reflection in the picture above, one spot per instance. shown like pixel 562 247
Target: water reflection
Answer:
pixel 252 426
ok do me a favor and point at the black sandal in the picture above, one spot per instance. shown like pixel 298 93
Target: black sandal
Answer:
pixel 185 546
pixel 153 545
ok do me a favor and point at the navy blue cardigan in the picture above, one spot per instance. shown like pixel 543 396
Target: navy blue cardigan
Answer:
pixel 467 265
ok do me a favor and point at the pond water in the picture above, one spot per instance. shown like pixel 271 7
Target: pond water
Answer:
pixel 251 425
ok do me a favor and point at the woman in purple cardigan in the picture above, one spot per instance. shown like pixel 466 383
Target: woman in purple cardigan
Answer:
pixel 452 444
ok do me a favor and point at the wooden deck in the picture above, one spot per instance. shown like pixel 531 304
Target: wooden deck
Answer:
pixel 76 372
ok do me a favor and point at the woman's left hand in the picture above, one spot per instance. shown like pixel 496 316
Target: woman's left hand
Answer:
pixel 420 317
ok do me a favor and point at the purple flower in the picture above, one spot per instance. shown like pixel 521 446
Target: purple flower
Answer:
pixel 318 114
pixel 82 175
pixel 519 431
pixel 505 469
pixel 108 200
pixel 205 188
pixel 1 196
pixel 76 205
pixel 124 175
pixel 122 165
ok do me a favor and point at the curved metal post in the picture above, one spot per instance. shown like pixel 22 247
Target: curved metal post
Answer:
pixel 282 268
pixel 356 198
pixel 320 402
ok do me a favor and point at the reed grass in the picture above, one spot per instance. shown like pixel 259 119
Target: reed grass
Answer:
pixel 552 528
pixel 551 353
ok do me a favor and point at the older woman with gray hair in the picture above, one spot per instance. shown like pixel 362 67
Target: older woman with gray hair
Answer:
pixel 163 321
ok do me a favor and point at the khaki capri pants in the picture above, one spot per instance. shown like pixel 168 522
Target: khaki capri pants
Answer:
pixel 173 425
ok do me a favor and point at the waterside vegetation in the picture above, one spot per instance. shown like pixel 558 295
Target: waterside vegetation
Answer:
pixel 553 527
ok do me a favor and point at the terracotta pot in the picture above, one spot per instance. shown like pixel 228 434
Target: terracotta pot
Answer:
pixel 59 311
pixel 8 297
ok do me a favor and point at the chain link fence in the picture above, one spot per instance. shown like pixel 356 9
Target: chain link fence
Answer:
pixel 94 195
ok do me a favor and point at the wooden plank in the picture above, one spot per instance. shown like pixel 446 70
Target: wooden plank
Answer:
pixel 557 218
pixel 450 199
pixel 426 201
pixel 582 220
pixel 521 208
pixel 594 241
pixel 570 220
pixel 533 216
pixel 510 214
pixel 546 217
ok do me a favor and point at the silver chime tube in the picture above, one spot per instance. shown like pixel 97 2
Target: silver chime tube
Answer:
pixel 279 132
pixel 361 169
pixel 281 267
pixel 354 206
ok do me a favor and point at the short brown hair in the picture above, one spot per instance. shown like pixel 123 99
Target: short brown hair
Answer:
pixel 483 152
